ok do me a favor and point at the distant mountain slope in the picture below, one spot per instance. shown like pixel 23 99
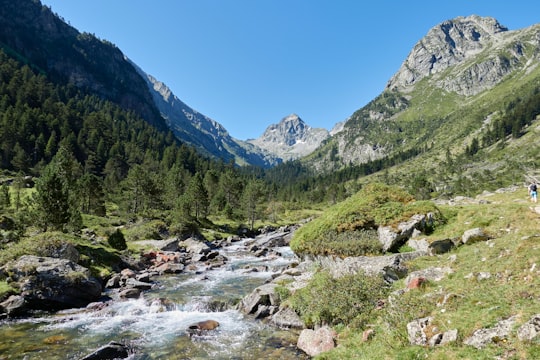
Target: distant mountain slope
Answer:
pixel 33 34
pixel 291 138
pixel 456 84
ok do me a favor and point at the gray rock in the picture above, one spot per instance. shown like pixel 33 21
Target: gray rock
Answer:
pixel 472 236
pixel 391 267
pixel 430 274
pixel 530 330
pixel 482 337
pixel 314 342
pixel 287 318
pixel 391 239
pixel 14 306
pixel 53 284
pixel 415 331
pixel 264 295
pixel 419 244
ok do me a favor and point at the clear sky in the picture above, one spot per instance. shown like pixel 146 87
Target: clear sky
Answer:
pixel 249 63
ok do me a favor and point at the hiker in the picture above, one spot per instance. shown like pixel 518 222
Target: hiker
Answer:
pixel 533 192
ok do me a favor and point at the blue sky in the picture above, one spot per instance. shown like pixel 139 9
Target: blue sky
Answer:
pixel 249 63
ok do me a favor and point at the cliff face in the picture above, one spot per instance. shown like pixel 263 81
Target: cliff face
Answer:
pixel 479 51
pixel 39 38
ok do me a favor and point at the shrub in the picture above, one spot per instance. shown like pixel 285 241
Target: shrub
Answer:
pixel 117 241
pixel 330 301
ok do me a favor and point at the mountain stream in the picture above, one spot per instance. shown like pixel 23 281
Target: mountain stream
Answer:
pixel 156 328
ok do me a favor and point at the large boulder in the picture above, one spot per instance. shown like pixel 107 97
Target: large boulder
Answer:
pixel 264 295
pixel 392 238
pixel 472 236
pixel 52 284
pixel 314 342
pixel 287 318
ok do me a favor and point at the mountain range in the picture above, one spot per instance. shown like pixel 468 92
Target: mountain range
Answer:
pixel 456 82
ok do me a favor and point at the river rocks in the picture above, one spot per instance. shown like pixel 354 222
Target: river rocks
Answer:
pixel 314 342
pixel 202 326
pixel 112 350
pixel 52 284
pixel 264 295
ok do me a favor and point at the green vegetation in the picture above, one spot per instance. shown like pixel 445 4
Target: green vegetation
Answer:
pixel 462 300
pixel 348 228
pixel 351 301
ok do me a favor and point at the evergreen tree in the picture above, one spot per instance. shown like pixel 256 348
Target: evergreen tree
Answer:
pixel 253 195
pixel 55 202
pixel 198 196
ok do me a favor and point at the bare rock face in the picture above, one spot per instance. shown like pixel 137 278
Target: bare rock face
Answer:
pixel 292 138
pixel 52 284
pixel 445 45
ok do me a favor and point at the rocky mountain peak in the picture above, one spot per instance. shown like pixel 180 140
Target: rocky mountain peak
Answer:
pixel 449 43
pixel 291 138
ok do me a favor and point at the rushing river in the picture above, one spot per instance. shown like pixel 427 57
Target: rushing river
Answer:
pixel 158 331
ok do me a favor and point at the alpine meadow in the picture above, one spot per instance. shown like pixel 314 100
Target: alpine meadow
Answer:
pixel 406 232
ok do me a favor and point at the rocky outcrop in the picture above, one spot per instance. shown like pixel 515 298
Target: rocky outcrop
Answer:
pixel 291 138
pixel 447 44
pixel 392 238
pixel 482 337
pixel 50 284
pixel 421 332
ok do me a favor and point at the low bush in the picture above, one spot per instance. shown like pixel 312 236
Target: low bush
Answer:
pixel 344 301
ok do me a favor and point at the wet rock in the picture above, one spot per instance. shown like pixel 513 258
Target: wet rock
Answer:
pixel 114 282
pixel 202 326
pixel 130 293
pixel 263 295
pixel 14 306
pixel 134 283
pixel 314 342
pixel 112 350
pixel 169 268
